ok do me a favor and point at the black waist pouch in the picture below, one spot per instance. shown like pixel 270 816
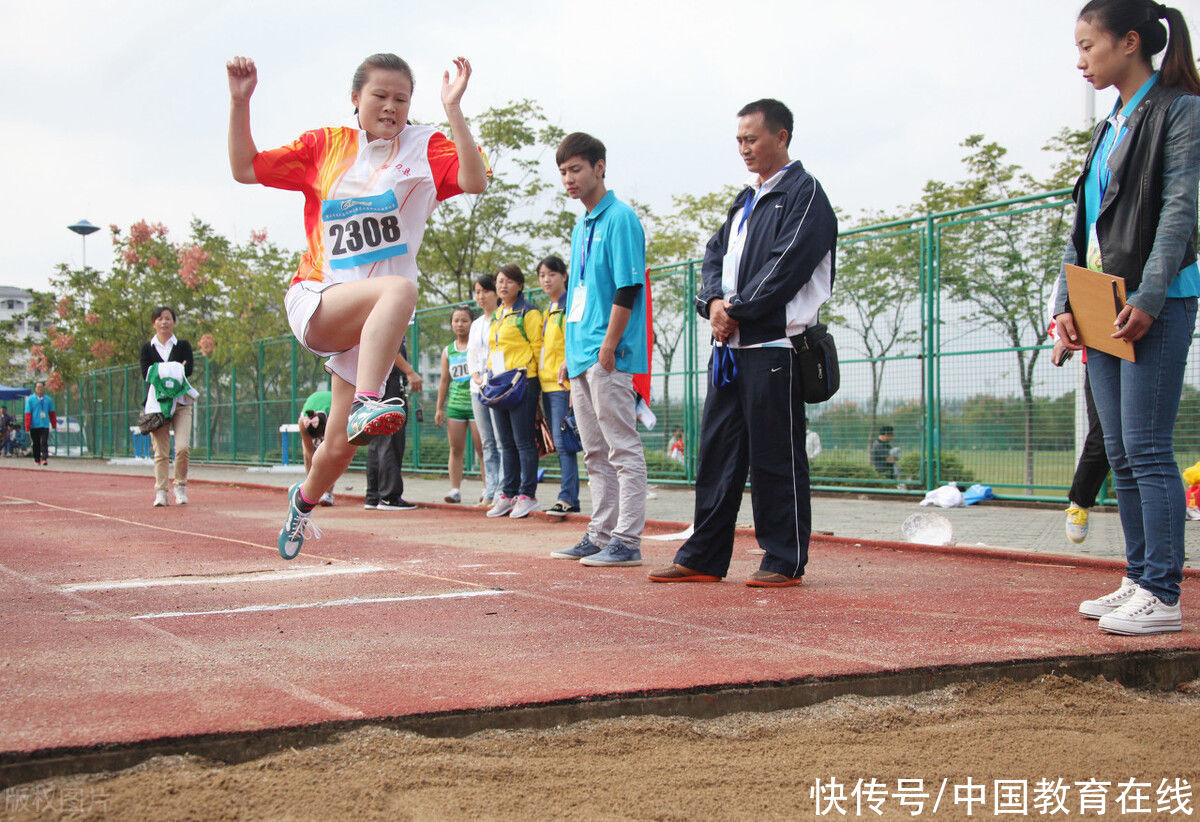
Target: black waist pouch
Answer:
pixel 818 363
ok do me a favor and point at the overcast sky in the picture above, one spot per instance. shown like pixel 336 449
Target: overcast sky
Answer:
pixel 117 112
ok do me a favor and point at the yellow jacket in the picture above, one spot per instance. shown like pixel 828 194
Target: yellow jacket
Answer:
pixel 516 333
pixel 554 346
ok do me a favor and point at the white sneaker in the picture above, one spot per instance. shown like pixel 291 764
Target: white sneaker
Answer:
pixel 1096 608
pixel 160 499
pixel 326 498
pixel 501 506
pixel 453 495
pixel 1077 523
pixel 181 495
pixel 523 507
pixel 1143 613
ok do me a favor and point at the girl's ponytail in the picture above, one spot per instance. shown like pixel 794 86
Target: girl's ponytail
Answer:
pixel 1178 65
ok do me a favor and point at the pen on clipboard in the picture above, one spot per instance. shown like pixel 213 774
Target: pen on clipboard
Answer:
pixel 1116 299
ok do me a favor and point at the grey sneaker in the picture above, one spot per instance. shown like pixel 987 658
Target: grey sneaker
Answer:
pixel 326 498
pixel 616 553
pixel 584 548
pixel 1096 608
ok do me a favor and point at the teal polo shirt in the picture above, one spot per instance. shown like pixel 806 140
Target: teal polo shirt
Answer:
pixel 1187 282
pixel 611 239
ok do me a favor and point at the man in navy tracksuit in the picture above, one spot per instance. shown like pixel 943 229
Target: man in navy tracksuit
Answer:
pixel 766 273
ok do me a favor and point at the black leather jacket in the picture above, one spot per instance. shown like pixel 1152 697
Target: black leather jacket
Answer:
pixel 1147 220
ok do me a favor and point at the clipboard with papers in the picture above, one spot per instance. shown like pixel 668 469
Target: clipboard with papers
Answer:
pixel 1096 299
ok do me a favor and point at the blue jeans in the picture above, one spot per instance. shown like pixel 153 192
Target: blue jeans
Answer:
pixel 556 406
pixel 1137 403
pixel 491 449
pixel 518 450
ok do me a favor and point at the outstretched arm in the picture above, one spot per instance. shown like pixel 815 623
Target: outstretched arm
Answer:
pixel 472 171
pixel 243 77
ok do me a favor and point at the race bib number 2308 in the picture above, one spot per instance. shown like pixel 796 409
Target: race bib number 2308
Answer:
pixel 362 230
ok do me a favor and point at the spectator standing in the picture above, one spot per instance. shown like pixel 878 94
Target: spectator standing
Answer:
pixel 454 410
pixel 883 453
pixel 766 273
pixel 164 347
pixel 385 453
pixel 516 342
pixel 1136 215
pixel 39 419
pixel 556 396
pixel 606 345
pixel 477 360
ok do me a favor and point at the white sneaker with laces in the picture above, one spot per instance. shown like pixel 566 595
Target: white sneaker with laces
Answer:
pixel 160 499
pixel 326 498
pixel 523 506
pixel 1143 613
pixel 1096 608
pixel 453 495
pixel 501 506
pixel 181 495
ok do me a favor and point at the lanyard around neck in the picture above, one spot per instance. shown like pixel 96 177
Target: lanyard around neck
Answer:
pixel 747 208
pixel 1107 147
pixel 586 251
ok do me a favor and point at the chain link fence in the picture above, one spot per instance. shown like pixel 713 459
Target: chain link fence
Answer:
pixel 940 321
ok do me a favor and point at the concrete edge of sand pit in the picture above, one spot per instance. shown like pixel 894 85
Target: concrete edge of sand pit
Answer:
pixel 1162 670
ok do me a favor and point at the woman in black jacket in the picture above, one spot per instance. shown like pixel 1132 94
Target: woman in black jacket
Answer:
pixel 164 346
pixel 1136 218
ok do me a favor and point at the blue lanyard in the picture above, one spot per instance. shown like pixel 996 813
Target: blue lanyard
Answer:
pixel 1103 172
pixel 724 366
pixel 586 251
pixel 746 209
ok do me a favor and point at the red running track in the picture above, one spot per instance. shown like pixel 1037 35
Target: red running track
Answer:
pixel 125 622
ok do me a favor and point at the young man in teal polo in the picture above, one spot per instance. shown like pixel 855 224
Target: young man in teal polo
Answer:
pixel 606 344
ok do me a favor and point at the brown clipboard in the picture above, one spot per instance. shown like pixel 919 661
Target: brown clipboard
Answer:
pixel 1096 299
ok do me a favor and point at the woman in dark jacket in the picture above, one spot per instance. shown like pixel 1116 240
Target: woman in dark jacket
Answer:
pixel 1136 218
pixel 164 346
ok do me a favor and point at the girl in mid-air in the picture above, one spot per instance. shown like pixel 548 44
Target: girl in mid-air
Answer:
pixel 369 187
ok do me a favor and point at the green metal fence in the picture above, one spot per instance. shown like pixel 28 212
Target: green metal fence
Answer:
pixel 940 322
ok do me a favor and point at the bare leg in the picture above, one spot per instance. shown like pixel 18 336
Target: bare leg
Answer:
pixel 456 432
pixel 372 314
pixel 332 459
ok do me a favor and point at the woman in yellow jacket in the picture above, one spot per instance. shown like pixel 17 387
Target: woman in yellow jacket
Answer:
pixel 556 396
pixel 515 341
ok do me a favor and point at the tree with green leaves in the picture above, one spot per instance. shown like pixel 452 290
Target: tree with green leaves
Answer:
pixel 519 218
pixel 1003 268
pixel 876 294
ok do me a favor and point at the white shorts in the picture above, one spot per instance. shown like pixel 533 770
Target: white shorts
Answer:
pixel 301 302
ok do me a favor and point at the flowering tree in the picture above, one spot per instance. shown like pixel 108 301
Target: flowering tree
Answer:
pixel 220 290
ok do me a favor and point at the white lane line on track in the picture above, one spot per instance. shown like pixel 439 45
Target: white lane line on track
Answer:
pixel 333 603
pixel 224 579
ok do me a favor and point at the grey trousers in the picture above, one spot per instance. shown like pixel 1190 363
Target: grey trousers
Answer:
pixel 605 411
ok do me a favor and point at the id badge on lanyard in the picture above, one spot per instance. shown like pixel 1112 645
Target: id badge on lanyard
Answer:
pixel 362 230
pixel 579 289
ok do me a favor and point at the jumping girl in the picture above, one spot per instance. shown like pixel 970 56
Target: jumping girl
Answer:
pixel 454 400
pixel 369 188
pixel 1136 210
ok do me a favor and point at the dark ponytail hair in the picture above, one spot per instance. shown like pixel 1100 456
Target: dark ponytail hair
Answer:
pixel 1119 17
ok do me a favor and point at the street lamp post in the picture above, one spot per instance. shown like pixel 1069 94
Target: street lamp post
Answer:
pixel 84 228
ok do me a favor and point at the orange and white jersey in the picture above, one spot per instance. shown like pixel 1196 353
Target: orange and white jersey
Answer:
pixel 366 203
